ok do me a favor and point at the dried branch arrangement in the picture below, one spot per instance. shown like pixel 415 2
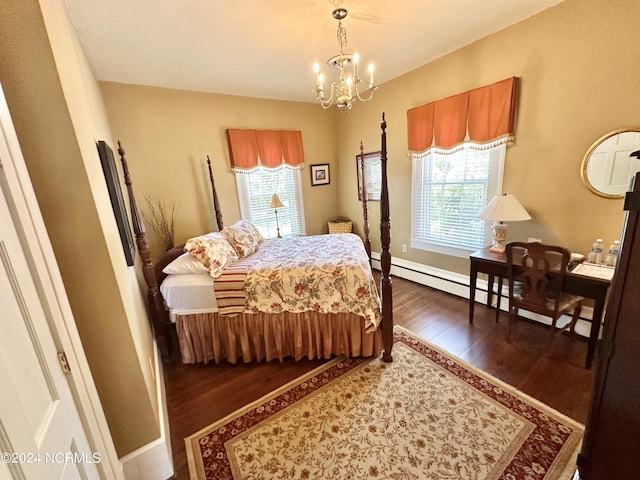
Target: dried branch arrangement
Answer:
pixel 161 218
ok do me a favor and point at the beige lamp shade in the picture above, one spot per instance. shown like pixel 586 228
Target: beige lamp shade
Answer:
pixel 275 202
pixel 503 208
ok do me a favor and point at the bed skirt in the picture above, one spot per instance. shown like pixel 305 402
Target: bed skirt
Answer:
pixel 204 337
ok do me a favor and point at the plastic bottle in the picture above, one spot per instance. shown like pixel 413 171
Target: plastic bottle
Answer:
pixel 612 256
pixel 595 255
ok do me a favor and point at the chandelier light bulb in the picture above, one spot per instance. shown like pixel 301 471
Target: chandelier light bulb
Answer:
pixel 355 58
pixel 316 68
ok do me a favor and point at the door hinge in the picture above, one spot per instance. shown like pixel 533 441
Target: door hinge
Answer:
pixel 62 358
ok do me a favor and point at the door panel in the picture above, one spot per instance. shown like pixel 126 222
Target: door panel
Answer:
pixel 40 429
pixel 41 433
pixel 33 383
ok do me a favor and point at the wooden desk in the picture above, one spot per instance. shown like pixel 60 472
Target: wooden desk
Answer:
pixel 495 265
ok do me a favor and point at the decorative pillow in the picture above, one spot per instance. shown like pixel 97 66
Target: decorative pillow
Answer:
pixel 243 240
pixel 213 250
pixel 251 228
pixel 185 263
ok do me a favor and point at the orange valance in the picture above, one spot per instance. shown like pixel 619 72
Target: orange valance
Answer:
pixel 450 120
pixel 269 148
pixel 481 115
pixel 420 127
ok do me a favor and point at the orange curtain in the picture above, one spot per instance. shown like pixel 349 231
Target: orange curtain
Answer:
pixel 420 121
pixel 292 150
pixel 270 148
pixel 480 115
pixel 243 148
pixel 450 120
pixel 492 112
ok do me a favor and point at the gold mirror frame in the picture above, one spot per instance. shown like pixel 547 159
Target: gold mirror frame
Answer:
pixel 585 162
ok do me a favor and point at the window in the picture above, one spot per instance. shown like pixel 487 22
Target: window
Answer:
pixel 449 189
pixel 255 189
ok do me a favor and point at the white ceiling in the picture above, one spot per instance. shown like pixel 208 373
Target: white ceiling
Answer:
pixel 266 48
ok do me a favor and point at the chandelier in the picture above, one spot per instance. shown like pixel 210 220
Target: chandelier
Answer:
pixel 345 91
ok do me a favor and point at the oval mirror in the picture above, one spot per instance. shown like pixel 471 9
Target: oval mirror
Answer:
pixel 607 167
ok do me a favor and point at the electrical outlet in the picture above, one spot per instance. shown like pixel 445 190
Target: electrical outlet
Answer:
pixel 404 249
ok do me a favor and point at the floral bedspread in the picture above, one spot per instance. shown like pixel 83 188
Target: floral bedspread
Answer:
pixel 326 273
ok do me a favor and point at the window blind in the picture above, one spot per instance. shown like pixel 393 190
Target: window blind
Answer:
pixel 449 191
pixel 255 190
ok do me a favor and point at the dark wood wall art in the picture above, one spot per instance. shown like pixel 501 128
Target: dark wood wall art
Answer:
pixel 117 200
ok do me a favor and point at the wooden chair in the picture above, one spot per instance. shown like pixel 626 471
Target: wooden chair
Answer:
pixel 536 280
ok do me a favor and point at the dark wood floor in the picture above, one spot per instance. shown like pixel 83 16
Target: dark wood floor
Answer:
pixel 198 395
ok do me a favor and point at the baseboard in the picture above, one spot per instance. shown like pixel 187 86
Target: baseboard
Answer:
pixel 458 284
pixel 154 461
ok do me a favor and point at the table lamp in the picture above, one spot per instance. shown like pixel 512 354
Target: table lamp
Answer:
pixel 503 208
pixel 276 204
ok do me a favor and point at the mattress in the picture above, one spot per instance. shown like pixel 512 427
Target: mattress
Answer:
pixel 188 293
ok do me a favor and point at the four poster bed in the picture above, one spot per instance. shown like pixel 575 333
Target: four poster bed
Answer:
pixel 236 296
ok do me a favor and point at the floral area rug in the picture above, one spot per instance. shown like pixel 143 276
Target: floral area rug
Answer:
pixel 426 415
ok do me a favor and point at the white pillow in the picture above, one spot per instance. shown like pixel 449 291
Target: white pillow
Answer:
pixel 185 263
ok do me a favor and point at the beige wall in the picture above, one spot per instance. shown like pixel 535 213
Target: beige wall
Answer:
pixel 577 64
pixel 57 110
pixel 167 135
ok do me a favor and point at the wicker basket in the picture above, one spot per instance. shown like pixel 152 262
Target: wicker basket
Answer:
pixel 340 225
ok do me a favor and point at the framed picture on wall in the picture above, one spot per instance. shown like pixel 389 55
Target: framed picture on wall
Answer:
pixel 117 200
pixel 320 174
pixel 372 175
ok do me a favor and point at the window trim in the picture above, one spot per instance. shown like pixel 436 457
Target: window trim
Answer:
pixel 444 247
pixel 298 181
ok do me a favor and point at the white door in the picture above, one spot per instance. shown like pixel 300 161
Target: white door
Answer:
pixel 41 434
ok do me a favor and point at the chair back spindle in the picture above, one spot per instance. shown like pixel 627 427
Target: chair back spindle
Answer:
pixel 537 275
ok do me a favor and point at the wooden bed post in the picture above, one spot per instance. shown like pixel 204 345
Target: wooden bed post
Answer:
pixel 159 316
pixel 216 205
pixel 385 254
pixel 365 209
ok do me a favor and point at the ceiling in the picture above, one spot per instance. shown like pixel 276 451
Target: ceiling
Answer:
pixel 266 48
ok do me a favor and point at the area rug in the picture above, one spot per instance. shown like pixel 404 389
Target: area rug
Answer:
pixel 426 415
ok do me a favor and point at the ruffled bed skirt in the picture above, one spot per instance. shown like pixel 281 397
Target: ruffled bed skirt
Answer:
pixel 247 337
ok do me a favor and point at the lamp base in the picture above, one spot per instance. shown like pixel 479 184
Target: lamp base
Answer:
pixel 499 237
pixel 278 224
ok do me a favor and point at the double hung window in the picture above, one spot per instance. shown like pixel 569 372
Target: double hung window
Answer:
pixel 255 190
pixel 458 147
pixel 268 162
pixel 449 190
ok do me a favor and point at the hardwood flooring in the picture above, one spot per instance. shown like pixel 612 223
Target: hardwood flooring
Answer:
pixel 198 395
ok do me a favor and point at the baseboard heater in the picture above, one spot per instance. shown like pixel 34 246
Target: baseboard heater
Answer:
pixel 458 284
